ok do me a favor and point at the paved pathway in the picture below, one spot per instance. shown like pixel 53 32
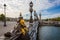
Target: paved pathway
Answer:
pixel 9 27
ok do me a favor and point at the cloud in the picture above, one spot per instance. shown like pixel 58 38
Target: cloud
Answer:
pixel 53 11
pixel 55 2
pixel 14 7
pixel 51 16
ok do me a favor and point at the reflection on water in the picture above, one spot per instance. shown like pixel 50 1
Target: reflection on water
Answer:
pixel 49 33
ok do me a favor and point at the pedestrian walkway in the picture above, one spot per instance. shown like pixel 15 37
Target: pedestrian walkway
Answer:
pixel 9 27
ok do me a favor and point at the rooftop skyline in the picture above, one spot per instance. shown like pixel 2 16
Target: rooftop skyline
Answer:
pixel 48 8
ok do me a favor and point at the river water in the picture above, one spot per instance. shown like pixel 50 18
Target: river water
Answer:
pixel 49 33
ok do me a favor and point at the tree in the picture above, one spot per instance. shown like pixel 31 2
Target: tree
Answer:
pixel 53 19
pixel 2 17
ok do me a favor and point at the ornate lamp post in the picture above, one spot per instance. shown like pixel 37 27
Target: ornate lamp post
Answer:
pixel 40 16
pixel 5 14
pixel 35 15
pixel 31 10
pixel 20 16
pixel 40 19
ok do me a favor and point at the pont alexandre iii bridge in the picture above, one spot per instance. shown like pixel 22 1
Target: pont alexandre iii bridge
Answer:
pixel 34 25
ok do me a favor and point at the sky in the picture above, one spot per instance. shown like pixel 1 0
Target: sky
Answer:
pixel 48 8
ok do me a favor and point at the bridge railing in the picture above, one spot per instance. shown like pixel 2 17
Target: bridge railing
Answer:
pixel 33 30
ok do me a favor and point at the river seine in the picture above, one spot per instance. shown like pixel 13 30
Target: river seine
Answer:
pixel 49 33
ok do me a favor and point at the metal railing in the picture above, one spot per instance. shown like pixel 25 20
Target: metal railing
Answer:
pixel 33 30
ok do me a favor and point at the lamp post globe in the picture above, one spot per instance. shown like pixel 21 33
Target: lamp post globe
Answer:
pixel 31 4
pixel 4 5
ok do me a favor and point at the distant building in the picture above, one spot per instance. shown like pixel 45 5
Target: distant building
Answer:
pixel 11 19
